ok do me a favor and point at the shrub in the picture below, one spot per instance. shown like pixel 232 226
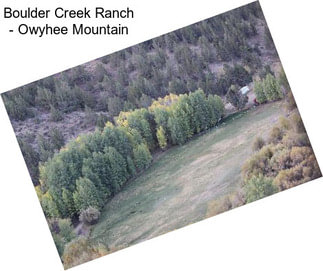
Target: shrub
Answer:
pixel 284 123
pixel 294 139
pixel 291 104
pixel 272 88
pixel 66 230
pixel 298 123
pixel 276 135
pixel 90 215
pixel 259 91
pixel 259 162
pixel 235 97
pixel 80 250
pixel 55 114
pixel 258 144
pixel 259 187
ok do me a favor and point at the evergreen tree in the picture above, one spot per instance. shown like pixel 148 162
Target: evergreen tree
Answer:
pixel 142 157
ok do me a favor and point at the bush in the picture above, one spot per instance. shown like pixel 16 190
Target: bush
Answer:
pixel 66 230
pixel 80 251
pixel 259 91
pixel 259 163
pixel 90 215
pixel 272 88
pixel 291 103
pixel 258 144
pixel 276 135
pixel 235 97
pixel 284 123
pixel 259 187
pixel 298 123
pixel 55 114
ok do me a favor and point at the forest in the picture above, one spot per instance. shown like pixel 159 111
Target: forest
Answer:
pixel 212 55
pixel 88 133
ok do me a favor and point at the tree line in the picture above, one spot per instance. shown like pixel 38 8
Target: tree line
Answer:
pixel 175 63
pixel 95 166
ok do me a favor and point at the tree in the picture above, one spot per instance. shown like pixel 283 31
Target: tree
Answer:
pixel 201 117
pixel 259 187
pixel 67 197
pixel 259 91
pixel 272 88
pixel 162 140
pixel 55 114
pixel 235 97
pixel 56 138
pixel 86 195
pixel 216 109
pixel 66 230
pixel 31 158
pixel 142 157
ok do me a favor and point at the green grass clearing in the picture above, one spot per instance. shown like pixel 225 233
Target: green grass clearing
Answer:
pixel 176 189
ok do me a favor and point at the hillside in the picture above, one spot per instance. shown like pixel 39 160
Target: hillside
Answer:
pixel 230 48
pixel 177 188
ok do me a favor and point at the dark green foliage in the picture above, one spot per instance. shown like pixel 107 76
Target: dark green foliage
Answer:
pixel 44 148
pixel 201 116
pixel 236 75
pixel 142 157
pixel 179 62
pixel 236 98
pixel 101 121
pixel 115 105
pixel 56 139
pixel 272 88
pixel 55 114
pixel 66 230
pixel 259 91
pixel 86 195
pixel 99 72
pixel 31 158
pixel 17 107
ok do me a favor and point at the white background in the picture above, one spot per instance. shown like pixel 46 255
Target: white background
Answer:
pixel 282 232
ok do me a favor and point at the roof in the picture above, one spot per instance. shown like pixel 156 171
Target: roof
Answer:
pixel 244 90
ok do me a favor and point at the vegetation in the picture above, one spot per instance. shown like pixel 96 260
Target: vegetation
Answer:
pixel 79 251
pixel 155 102
pixel 284 161
pixel 90 169
pixel 268 89
pixel 176 63
pixel 90 215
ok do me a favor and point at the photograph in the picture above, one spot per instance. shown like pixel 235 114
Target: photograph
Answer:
pixel 160 135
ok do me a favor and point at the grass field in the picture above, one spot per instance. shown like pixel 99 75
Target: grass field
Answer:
pixel 176 189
